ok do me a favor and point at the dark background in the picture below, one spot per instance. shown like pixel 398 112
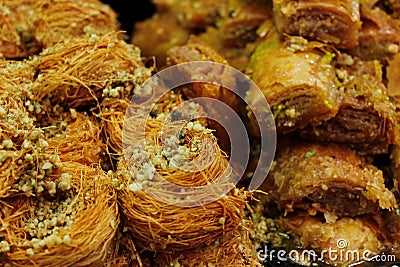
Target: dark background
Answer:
pixel 131 11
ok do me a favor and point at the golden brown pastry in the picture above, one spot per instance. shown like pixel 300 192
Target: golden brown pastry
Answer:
pixel 240 25
pixel 344 241
pixel 82 72
pixel 391 221
pixel 17 38
pixel 166 32
pixel 393 77
pixel 29 25
pixel 160 226
pixel 395 151
pixel 236 33
pixel 297 81
pixel 172 24
pixel 197 50
pixel 379 37
pixel 394 7
pixel 194 15
pixel 326 178
pixel 366 119
pixel 234 248
pixel 57 20
pixel 332 21
pixel 79 219
pixel 79 142
pixel 11 45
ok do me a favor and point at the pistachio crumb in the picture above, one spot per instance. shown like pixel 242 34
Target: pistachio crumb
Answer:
pixel 309 154
pixel 30 252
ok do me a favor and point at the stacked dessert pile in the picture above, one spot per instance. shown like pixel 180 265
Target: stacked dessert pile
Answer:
pixel 329 71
